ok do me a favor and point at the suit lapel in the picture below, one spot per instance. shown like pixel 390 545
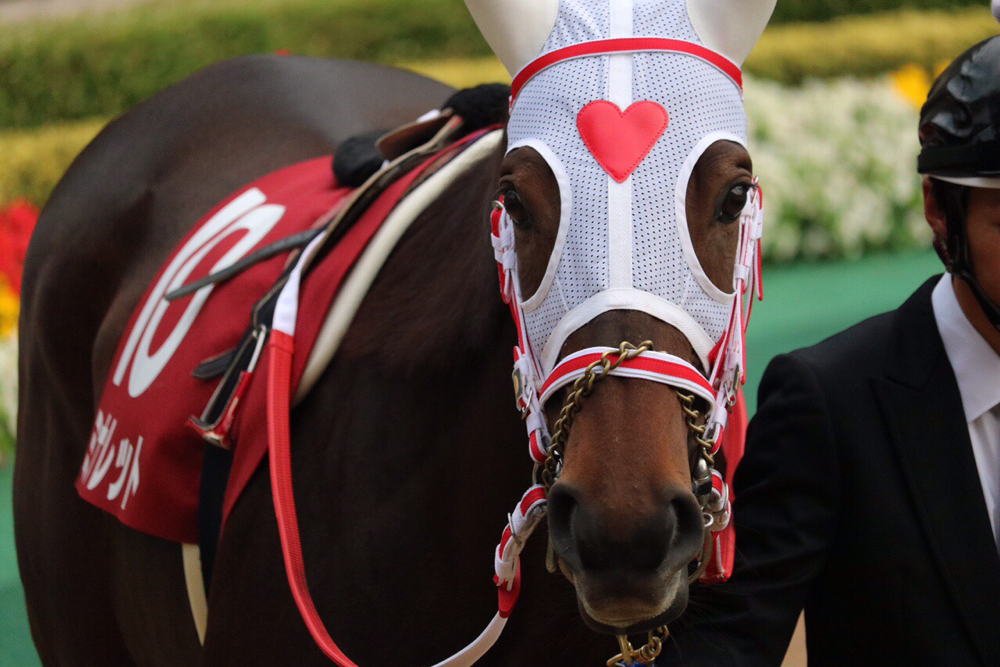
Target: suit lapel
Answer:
pixel 923 409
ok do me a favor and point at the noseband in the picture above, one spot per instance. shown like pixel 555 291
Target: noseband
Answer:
pixel 658 367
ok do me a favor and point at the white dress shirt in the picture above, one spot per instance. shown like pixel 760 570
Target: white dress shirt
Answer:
pixel 977 368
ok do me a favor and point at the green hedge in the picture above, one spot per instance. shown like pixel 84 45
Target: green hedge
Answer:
pixel 810 144
pixel 863 47
pixel 34 160
pixel 6 442
pixel 870 45
pixel 103 65
pixel 788 11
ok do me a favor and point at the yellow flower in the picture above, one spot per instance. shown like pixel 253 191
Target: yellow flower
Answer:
pixel 10 307
pixel 913 83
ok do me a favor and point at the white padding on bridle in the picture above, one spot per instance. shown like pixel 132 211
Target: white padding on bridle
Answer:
pixel 359 281
pixel 526 517
pixel 626 299
pixel 286 311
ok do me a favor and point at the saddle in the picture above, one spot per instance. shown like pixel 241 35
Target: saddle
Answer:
pixel 176 436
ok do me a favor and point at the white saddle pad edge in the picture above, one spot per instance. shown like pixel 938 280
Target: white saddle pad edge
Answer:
pixel 360 280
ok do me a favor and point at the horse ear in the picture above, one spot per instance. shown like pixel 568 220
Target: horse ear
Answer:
pixel 516 30
pixel 732 27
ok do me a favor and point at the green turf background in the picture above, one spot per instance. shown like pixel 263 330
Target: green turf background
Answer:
pixel 803 304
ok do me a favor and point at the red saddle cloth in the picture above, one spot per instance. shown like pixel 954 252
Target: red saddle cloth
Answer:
pixel 143 463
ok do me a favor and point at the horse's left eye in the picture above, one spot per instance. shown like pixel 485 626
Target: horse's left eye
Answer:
pixel 516 209
pixel 732 204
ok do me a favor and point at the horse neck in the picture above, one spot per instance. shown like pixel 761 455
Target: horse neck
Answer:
pixel 426 439
pixel 425 368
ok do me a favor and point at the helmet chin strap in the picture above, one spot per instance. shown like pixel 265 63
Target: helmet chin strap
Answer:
pixel 988 306
pixel 955 251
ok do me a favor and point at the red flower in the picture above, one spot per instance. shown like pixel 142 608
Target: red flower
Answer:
pixel 17 221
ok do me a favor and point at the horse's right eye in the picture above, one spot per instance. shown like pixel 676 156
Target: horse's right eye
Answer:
pixel 732 204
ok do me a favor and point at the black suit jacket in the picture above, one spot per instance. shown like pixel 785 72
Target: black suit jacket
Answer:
pixel 859 500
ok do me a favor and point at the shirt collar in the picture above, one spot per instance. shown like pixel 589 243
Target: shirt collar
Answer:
pixel 976 364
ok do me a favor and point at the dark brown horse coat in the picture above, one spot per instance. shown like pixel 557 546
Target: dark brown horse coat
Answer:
pixel 407 453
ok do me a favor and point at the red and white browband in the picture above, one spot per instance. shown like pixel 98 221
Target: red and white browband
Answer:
pixel 602 47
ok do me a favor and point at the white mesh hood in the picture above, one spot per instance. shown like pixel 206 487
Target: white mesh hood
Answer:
pixel 625 245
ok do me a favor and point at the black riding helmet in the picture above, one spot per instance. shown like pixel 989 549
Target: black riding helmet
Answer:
pixel 960 136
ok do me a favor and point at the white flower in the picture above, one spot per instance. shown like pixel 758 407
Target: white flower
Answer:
pixel 837 160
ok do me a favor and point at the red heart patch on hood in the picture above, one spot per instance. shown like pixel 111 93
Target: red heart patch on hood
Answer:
pixel 618 140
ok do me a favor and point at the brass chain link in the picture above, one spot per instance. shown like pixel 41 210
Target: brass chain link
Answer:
pixel 645 655
pixel 693 419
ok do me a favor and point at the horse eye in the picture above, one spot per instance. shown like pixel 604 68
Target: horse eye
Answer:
pixel 732 204
pixel 516 209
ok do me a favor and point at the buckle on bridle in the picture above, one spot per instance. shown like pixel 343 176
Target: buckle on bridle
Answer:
pixel 522 392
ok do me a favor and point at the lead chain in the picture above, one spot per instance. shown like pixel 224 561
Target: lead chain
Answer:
pixel 646 655
pixel 693 417
pixel 583 387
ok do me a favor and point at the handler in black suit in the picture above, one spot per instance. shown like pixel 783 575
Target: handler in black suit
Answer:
pixel 870 490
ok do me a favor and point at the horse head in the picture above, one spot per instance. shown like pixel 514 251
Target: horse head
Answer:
pixel 623 189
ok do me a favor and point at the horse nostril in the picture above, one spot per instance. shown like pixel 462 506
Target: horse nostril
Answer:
pixel 562 505
pixel 688 534
pixel 587 540
pixel 652 541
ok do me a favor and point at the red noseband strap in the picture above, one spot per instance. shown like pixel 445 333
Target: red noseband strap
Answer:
pixel 654 366
pixel 603 47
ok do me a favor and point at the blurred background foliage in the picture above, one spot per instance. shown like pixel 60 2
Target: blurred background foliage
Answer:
pixel 824 10
pixel 102 65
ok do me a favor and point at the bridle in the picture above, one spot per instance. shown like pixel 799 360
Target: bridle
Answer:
pixel 608 364
pixel 717 390
pixel 701 477
pixel 581 371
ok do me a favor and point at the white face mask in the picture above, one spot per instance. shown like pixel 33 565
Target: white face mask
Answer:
pixel 623 241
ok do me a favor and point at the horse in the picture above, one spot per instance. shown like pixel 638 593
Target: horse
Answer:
pixel 415 401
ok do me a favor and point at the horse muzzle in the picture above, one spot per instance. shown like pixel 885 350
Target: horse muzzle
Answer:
pixel 632 580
